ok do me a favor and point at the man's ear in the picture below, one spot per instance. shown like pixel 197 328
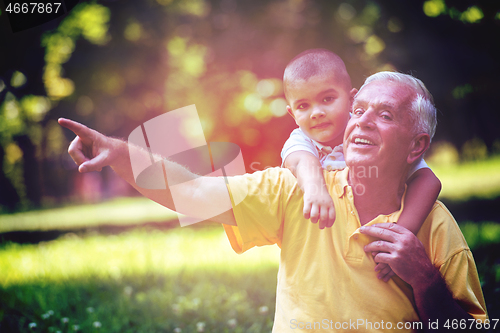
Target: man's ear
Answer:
pixel 353 93
pixel 419 145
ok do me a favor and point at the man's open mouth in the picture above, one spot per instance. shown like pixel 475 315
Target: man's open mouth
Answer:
pixel 363 141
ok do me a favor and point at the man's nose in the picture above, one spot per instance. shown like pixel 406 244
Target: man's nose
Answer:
pixel 366 119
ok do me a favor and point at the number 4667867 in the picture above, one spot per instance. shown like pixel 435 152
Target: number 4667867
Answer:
pixel 33 7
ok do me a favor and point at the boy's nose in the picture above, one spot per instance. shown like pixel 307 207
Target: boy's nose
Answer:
pixel 317 112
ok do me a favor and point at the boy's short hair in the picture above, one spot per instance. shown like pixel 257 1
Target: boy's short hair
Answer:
pixel 315 62
pixel 422 108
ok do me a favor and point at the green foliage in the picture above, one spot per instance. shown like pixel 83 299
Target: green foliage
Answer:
pixel 481 234
pixel 434 8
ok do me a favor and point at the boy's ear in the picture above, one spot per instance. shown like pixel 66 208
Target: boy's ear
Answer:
pixel 418 147
pixel 289 110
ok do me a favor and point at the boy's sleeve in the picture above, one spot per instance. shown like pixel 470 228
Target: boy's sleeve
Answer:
pixel 418 166
pixel 297 141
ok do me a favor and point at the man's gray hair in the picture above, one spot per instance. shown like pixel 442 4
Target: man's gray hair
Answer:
pixel 422 109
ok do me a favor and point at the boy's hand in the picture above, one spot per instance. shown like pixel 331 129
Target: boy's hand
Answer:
pixel 90 149
pixel 318 206
pixel 385 271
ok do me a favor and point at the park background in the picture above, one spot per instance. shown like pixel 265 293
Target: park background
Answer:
pixel 82 252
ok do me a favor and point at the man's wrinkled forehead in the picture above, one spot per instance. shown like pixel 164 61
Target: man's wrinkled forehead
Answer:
pixel 385 93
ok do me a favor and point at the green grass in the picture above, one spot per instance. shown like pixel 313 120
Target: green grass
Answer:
pixel 480 179
pixel 139 281
pixel 120 211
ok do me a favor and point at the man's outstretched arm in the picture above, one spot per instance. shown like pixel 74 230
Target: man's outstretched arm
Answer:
pixel 92 151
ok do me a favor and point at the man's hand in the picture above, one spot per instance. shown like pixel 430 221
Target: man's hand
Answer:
pixel 318 205
pixel 402 251
pixel 405 254
pixel 90 150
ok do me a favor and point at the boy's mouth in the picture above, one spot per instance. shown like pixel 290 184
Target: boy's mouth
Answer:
pixel 322 125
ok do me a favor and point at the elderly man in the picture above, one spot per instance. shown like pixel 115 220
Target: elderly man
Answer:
pixel 326 280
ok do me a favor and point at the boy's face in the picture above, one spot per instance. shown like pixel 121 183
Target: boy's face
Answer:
pixel 320 106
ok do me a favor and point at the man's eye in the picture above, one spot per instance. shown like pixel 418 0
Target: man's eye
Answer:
pixel 386 116
pixel 358 112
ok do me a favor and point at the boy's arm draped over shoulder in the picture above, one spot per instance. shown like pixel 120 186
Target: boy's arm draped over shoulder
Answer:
pixel 92 151
pixel 318 205
pixel 421 195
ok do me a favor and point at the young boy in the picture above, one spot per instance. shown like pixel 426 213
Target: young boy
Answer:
pixel 319 94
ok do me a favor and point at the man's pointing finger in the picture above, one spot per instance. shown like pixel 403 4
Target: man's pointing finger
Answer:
pixel 81 130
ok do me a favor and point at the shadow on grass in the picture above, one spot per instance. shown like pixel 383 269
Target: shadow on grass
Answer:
pixel 35 237
pixel 474 209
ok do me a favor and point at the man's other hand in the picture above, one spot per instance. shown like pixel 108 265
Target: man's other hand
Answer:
pixel 402 251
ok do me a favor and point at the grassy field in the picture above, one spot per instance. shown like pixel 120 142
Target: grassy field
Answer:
pixel 480 179
pixel 119 211
pixel 181 280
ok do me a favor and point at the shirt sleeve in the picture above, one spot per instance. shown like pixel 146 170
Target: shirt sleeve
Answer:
pixel 418 166
pixel 297 141
pixel 259 202
pixel 460 275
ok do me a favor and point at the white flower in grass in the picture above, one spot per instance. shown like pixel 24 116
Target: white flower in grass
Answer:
pixel 58 331
pixel 65 320
pixel 177 330
pixel 76 328
pixel 45 316
pixel 232 323
pixel 50 313
pixel 90 309
pixel 128 290
pixel 200 327
pixel 263 310
pixel 96 324
pixel 32 326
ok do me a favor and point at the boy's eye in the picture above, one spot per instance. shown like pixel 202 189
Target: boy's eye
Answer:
pixel 328 99
pixel 302 106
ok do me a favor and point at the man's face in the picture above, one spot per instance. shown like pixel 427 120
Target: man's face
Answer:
pixel 320 107
pixel 379 132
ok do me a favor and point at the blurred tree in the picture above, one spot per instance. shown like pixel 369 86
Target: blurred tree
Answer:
pixel 113 65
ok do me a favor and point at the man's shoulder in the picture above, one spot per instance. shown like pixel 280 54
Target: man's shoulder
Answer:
pixel 441 231
pixel 269 176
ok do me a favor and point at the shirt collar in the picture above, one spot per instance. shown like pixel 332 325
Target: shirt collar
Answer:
pixel 320 146
pixel 341 189
pixel 342 183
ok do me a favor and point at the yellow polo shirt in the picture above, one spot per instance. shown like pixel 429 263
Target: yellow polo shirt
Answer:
pixel 326 282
